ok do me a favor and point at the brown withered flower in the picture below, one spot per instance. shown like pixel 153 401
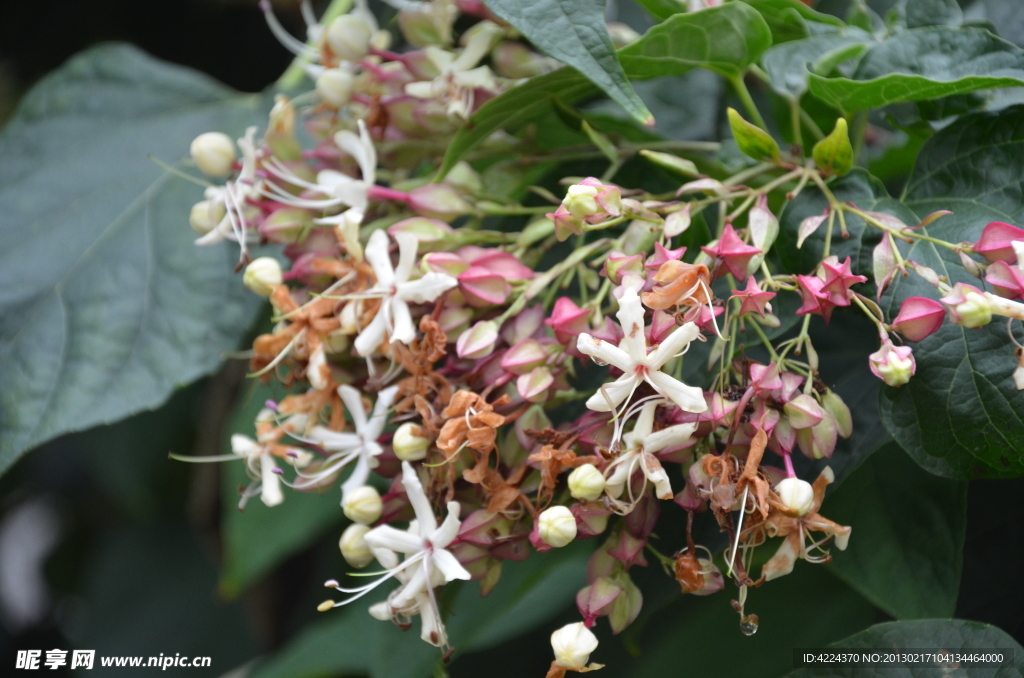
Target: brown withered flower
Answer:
pixel 679 284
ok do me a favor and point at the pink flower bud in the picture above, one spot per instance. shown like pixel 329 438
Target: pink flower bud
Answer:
pixel 439 201
pixel 425 230
pixel 286 225
pixel 893 364
pixel 479 341
pixel 534 385
pixel 968 306
pixel 819 441
pixel 883 263
pixel 996 242
pixel 618 264
pixel 497 262
pixel 482 288
pixel 591 518
pixel 565 223
pixel 733 253
pixel 443 262
pixel 919 317
pixel 524 357
pixel 808 226
pixel 596 600
pixel 568 321
pixel 803 411
pixel 526 325
pixel 1006 280
pixel 764 378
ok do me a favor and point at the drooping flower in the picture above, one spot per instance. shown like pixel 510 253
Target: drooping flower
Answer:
pixel 894 365
pixel 396 291
pixel 572 645
pixel 631 356
pixel 360 447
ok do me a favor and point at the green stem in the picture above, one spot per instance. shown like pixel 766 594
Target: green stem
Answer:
pixel 764 340
pixel 794 117
pixel 748 101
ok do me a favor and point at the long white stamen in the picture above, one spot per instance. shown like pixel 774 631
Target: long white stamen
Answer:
pixel 739 528
pixel 289 41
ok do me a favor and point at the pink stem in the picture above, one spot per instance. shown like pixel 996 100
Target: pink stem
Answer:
pixel 787 458
pixel 385 193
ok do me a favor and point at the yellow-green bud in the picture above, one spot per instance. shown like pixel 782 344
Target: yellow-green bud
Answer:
pixel 262 275
pixel 353 546
pixel 586 482
pixel 205 216
pixel 407 445
pixel 348 36
pixel 362 505
pixel 557 526
pixel 213 153
pixel 334 87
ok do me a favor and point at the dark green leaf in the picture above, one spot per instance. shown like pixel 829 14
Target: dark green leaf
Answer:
pixel 924 63
pixel 961 414
pixel 906 551
pixel 788 65
pixel 575 33
pixel 920 13
pixel 259 538
pixel 950 635
pixel 724 39
pixel 108 307
pixel 788 19
pixel 663 9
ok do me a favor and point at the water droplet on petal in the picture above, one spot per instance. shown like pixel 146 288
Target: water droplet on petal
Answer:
pixel 748 625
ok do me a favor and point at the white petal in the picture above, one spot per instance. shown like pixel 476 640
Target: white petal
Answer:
pixel 449 565
pixel 400 541
pixel 427 288
pixel 381 611
pixel 387 558
pixel 611 395
pixel 354 404
pixel 668 437
pixel 631 317
pixel 644 423
pixel 673 344
pixel 406 596
pixel 420 90
pixel 407 246
pixel 449 529
pixel 373 334
pixel 403 330
pixel 242 445
pixel 418 499
pixel 616 482
pixel 380 260
pixel 360 474
pixel 379 418
pixel 271 489
pixel 689 398
pixel 334 440
pixel 431 628
pixel 604 352
pixel 656 474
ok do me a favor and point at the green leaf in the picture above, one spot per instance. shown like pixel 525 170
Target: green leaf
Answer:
pixel 924 63
pixel 950 635
pixel 724 39
pixel 921 13
pixel 257 539
pixel 788 19
pixel 1008 17
pixel 662 9
pixel 834 154
pixel 575 33
pixel 753 141
pixel 906 552
pixel 351 641
pixel 788 65
pixel 108 305
pixel 961 415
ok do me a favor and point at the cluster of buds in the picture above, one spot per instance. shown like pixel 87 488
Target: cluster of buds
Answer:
pixel 425 357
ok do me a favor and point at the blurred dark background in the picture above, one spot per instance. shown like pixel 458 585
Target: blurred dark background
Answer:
pixel 106 544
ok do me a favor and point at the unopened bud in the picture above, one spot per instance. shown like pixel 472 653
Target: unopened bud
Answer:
pixel 572 645
pixel 534 385
pixel 464 178
pixel 362 505
pixel 262 275
pixel 835 406
pixel 213 153
pixel 407 445
pixel 439 201
pixel 348 36
pixel 968 306
pixel 557 526
pixel 586 482
pixel 796 495
pixel 334 87
pixel 479 341
pixel 893 364
pixel 353 546
pixel 580 201
pixel 803 411
pixel 205 216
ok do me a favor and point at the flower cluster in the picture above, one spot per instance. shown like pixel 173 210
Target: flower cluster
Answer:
pixel 427 358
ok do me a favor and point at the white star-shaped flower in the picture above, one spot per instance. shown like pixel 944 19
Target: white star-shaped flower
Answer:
pixel 396 291
pixel 637 364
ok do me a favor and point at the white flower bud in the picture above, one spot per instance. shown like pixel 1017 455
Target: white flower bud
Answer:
pixel 348 36
pixel 573 644
pixel 262 275
pixel 797 495
pixel 353 546
pixel 362 505
pixel 334 87
pixel 213 153
pixel 407 445
pixel 580 201
pixel 557 526
pixel 205 216
pixel 586 482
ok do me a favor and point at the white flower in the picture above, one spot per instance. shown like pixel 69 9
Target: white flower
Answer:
pixel 234 197
pixel 260 463
pixel 638 365
pixel 641 444
pixel 572 645
pixel 427 563
pixel 396 291
pixel 360 447
pixel 360 18
pixel 458 79
pixel 337 187
pixel 556 526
